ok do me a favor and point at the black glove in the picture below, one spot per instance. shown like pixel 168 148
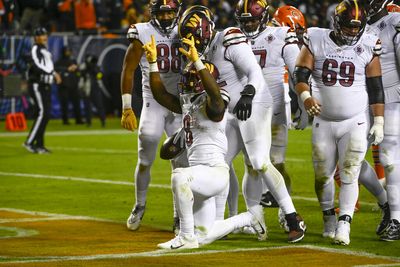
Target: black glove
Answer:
pixel 243 106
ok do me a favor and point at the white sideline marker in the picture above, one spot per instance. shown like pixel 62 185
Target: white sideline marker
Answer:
pixel 101 181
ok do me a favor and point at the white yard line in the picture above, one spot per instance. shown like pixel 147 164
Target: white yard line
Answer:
pixel 48 216
pixel 86 149
pixel 68 133
pixel 162 253
pixel 100 181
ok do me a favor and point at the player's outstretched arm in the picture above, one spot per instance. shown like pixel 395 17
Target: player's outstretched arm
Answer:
pixel 376 99
pixel 131 62
pixel 302 72
pixel 160 94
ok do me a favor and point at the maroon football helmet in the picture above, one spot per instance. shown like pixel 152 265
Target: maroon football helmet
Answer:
pixel 349 22
pixel 197 23
pixel 159 6
pixel 252 16
pixel 373 7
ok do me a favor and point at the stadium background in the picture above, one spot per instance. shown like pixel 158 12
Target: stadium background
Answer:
pixel 100 31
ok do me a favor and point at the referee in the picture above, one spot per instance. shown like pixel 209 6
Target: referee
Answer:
pixel 40 77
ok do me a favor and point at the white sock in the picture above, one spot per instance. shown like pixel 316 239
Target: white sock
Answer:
pixel 142 181
pixel 347 198
pixel 369 179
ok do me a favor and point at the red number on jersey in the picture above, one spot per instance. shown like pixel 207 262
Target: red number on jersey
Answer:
pixel 163 54
pixel 263 55
pixel 346 73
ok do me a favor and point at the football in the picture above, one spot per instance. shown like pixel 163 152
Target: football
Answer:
pixel 172 148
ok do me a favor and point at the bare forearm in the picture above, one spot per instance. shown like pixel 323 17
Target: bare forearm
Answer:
pixel 378 109
pixel 162 96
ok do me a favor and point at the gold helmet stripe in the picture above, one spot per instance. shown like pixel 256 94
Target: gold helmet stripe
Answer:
pixel 245 6
pixel 356 5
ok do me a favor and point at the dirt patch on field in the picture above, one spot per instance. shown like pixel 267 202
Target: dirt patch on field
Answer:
pixel 75 242
pixel 276 257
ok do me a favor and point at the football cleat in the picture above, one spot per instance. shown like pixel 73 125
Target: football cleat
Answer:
pixel 258 222
pixel 342 234
pixel 30 148
pixel 42 150
pixel 282 221
pixel 392 233
pixel 135 218
pixel 180 242
pixel 297 228
pixel 329 226
pixel 385 222
pixel 268 200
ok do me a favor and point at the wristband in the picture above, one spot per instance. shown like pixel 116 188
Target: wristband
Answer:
pixel 199 65
pixel 153 67
pixel 126 101
pixel 305 95
pixel 378 120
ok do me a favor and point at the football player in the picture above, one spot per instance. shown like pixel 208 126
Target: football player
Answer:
pixel 346 76
pixel 154 119
pixel 203 106
pixel 274 48
pixel 250 109
pixel 386 26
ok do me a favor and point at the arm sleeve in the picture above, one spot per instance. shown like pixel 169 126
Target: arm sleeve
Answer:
pixel 243 58
pixel 290 53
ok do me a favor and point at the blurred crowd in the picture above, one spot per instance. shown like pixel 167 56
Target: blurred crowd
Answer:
pixel 93 16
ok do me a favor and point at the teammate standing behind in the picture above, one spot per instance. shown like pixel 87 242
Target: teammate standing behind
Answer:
pixel 154 119
pixel 41 76
pixel 386 26
pixel 274 48
pixel 346 75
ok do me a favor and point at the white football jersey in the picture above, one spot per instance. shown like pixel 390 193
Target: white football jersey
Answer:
pixel 338 78
pixel 168 56
pixel 275 48
pixel 206 142
pixel 237 65
pixel 388 31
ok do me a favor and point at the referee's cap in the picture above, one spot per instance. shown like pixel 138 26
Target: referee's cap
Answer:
pixel 40 31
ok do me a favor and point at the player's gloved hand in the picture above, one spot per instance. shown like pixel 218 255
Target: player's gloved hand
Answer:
pixel 243 106
pixel 191 54
pixel 311 104
pixel 376 131
pixel 150 50
pixel 300 120
pixel 128 119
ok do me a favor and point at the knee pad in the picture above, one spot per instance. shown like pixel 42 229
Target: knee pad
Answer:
pixel 179 177
pixel 389 150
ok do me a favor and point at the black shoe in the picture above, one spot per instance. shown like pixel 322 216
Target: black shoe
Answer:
pixel 30 148
pixel 297 228
pixel 42 150
pixel 384 224
pixel 268 201
pixel 392 233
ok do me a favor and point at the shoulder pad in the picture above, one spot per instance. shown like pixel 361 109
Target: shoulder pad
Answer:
pixel 397 27
pixel 377 50
pixel 132 33
pixel 291 36
pixel 234 36
pixel 306 39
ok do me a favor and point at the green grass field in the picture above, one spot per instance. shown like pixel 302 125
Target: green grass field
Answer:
pixel 77 179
